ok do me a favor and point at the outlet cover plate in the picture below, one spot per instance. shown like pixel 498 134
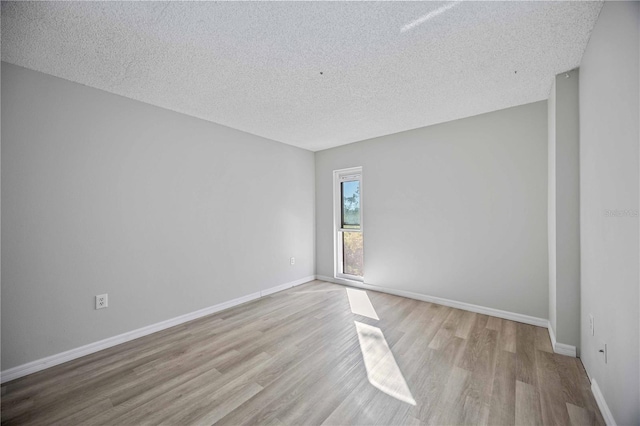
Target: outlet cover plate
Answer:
pixel 102 301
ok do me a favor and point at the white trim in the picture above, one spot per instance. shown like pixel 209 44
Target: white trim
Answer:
pixel 285 286
pixel 526 319
pixel 340 176
pixel 561 348
pixel 552 335
pixel 564 349
pixel 602 404
pixel 50 361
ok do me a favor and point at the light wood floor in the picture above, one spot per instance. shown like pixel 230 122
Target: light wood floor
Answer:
pixel 303 357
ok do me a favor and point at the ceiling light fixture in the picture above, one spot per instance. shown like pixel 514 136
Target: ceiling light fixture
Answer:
pixel 432 14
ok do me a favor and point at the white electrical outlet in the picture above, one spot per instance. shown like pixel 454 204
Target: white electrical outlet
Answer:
pixel 292 260
pixel 592 329
pixel 102 301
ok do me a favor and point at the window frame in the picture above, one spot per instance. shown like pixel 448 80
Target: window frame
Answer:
pixel 344 175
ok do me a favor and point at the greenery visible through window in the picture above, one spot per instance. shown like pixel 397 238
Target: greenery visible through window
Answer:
pixel 352 247
pixel 351 204
pixel 353 253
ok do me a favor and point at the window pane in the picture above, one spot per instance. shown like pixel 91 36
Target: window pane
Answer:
pixel 353 259
pixel 350 204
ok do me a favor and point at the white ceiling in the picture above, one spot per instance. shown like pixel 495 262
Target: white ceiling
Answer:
pixel 256 66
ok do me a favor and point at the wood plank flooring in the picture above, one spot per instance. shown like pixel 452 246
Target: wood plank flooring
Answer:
pixel 302 356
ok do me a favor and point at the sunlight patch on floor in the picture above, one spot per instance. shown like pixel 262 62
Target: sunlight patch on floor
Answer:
pixel 360 303
pixel 382 370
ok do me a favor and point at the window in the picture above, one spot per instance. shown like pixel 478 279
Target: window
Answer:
pixel 349 261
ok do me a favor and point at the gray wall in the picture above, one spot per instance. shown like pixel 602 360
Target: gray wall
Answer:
pixel 564 209
pixel 166 213
pixel 457 210
pixel 609 176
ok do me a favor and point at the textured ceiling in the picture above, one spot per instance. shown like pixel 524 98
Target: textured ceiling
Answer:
pixel 310 74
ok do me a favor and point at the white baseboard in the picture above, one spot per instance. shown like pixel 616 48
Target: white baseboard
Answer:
pixel 50 361
pixel 561 348
pixel 602 404
pixel 552 336
pixel 526 319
